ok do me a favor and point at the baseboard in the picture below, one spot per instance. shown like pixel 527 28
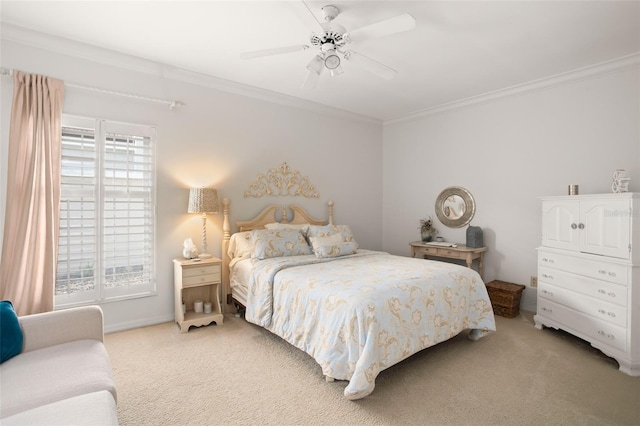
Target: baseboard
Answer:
pixel 146 322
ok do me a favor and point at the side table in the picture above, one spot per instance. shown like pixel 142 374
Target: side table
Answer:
pixel 199 280
pixel 468 254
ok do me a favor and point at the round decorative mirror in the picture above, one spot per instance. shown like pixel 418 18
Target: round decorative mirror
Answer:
pixel 455 207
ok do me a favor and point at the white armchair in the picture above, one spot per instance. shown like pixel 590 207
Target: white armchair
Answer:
pixel 63 374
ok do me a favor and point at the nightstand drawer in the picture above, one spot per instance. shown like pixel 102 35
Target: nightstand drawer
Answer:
pixel 201 279
pixel 193 271
pixel 426 250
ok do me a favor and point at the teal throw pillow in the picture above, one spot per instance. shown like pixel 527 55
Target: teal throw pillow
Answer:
pixel 10 332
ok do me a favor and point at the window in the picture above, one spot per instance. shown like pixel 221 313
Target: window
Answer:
pixel 107 212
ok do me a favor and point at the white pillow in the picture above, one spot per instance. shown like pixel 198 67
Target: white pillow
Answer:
pixel 240 245
pixel 275 225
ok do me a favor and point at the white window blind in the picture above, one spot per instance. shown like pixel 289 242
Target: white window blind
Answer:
pixel 107 212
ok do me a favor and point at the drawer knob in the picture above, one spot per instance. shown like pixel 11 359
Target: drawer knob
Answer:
pixel 602 271
pixel 550 293
pixel 603 312
pixel 612 274
pixel 610 293
pixel 574 226
pixel 545 309
pixel 607 335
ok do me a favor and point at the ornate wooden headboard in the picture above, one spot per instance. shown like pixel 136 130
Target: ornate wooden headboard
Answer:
pixel 268 215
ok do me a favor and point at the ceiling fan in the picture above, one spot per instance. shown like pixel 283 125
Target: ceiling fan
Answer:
pixel 332 38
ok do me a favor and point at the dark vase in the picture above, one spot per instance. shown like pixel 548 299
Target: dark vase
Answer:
pixel 426 236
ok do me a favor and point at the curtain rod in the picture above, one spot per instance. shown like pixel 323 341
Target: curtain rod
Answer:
pixel 172 104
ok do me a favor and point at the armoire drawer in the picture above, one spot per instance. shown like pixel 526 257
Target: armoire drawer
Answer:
pixel 592 328
pixel 605 311
pixel 600 270
pixel 599 289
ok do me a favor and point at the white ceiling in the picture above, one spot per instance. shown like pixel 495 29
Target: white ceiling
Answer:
pixel 459 49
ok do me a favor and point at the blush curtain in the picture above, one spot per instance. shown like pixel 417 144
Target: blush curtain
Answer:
pixel 31 227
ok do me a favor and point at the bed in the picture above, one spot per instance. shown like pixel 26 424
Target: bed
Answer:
pixel 355 311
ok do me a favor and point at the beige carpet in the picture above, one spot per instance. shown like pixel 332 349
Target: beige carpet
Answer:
pixel 238 373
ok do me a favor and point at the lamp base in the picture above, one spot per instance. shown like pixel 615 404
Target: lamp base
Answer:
pixel 205 255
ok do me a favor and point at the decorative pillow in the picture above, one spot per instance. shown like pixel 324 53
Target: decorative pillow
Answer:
pixel 328 230
pixel 317 242
pixel 336 250
pixel 278 242
pixel 240 245
pixel 10 332
pixel 304 227
pixel 347 235
pixel 321 231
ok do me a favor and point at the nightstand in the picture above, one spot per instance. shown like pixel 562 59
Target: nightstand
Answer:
pixel 462 252
pixel 199 280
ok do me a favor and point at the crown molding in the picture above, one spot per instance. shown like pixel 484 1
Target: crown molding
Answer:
pixel 21 35
pixel 67 47
pixel 532 86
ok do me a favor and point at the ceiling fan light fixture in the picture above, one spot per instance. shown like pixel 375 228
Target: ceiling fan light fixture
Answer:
pixel 336 71
pixel 331 61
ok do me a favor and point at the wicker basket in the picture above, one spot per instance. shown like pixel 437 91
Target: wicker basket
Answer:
pixel 505 298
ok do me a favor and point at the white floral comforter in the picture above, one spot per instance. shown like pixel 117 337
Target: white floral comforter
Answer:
pixel 357 315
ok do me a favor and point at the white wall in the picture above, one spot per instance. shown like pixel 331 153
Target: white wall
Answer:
pixel 218 139
pixel 508 152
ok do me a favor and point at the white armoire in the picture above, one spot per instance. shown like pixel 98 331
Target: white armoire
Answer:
pixel 589 272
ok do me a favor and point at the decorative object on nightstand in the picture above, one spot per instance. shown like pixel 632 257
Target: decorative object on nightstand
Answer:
pixel 189 250
pixel 197 292
pixel 620 181
pixel 427 231
pixel 474 237
pixel 505 298
pixel 203 200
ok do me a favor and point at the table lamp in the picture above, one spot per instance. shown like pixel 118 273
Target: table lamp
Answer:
pixel 203 200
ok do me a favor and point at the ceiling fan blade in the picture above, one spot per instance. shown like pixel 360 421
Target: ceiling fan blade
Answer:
pixel 370 65
pixel 387 27
pixel 311 80
pixel 315 67
pixel 275 51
